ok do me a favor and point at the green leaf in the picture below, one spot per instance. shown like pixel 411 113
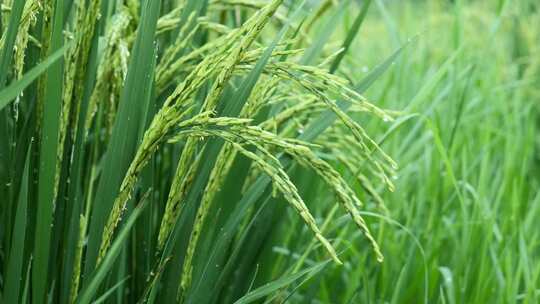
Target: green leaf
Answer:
pixel 109 292
pixel 317 47
pixel 11 34
pixel 16 88
pixel 47 163
pixel 95 279
pixel 280 283
pixel 7 43
pixel 351 34
pixel 429 85
pixel 460 108
pixel 14 272
pixel 26 289
pixel 215 268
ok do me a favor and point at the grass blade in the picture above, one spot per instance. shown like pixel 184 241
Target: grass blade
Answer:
pixel 15 89
pixel 109 292
pixel 94 281
pixel 353 31
pixel 6 53
pixel 316 48
pixel 14 272
pixel 47 163
pixel 281 283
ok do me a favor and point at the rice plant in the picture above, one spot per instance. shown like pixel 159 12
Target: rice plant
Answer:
pixel 144 138
pixel 229 151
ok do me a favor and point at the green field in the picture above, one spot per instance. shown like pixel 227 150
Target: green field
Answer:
pixel 269 151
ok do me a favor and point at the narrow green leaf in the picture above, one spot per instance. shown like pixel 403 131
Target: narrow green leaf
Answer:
pixel 16 88
pixel 448 283
pixel 26 289
pixel 47 163
pixel 446 160
pixel 351 34
pixel 317 47
pixel 14 272
pixel 11 34
pixel 95 279
pixel 460 108
pixel 109 292
pixel 430 84
pixel 280 283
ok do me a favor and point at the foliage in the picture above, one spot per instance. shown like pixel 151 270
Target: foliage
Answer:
pixel 223 151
